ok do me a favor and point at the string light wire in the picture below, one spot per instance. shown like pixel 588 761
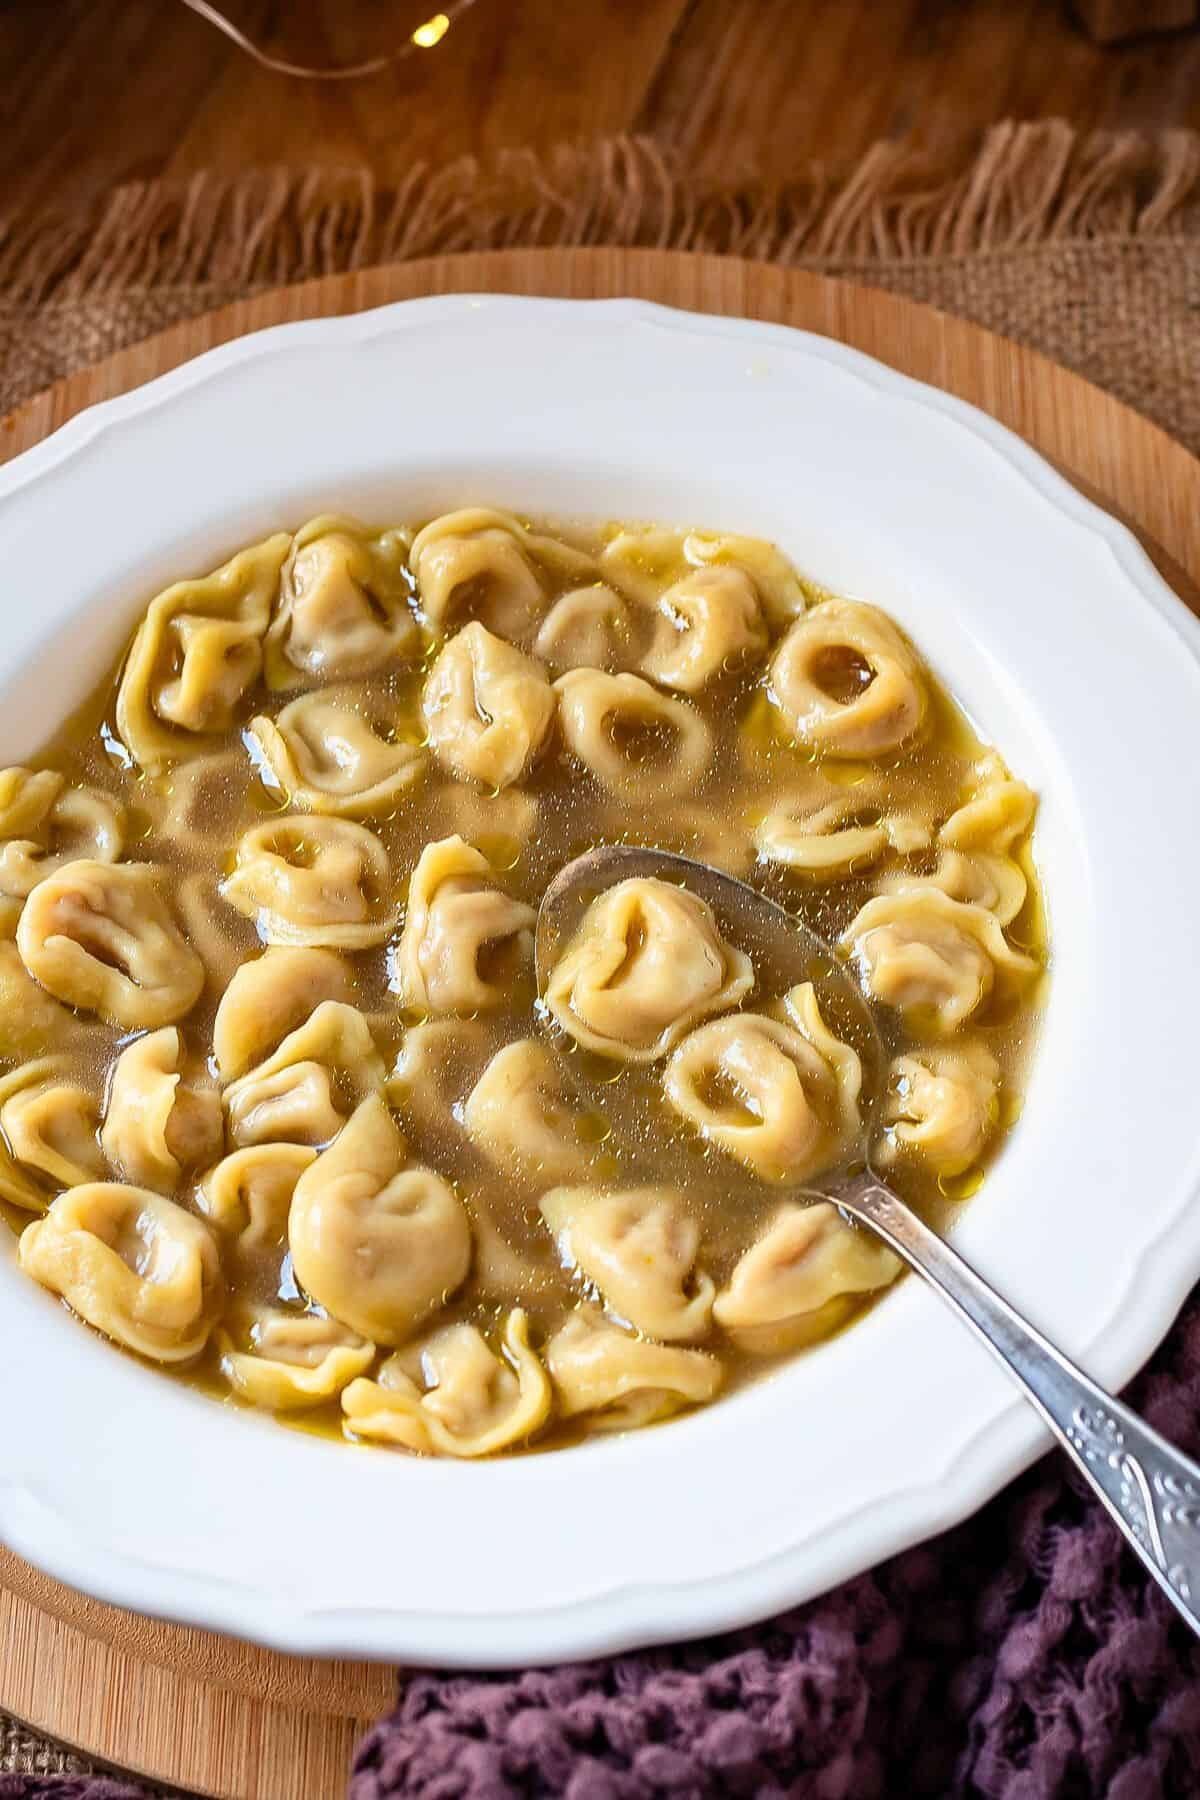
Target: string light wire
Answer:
pixel 426 35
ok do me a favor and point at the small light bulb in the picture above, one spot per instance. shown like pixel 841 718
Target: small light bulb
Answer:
pixel 431 32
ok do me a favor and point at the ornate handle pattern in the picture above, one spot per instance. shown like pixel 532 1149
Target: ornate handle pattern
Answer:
pixel 1151 1489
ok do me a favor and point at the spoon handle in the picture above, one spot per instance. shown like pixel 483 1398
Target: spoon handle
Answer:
pixel 1150 1489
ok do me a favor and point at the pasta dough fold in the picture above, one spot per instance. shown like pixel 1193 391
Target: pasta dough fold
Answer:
pixel 197 651
pixel 310 1084
pixel 454 1395
pixel 629 734
pixel 485 565
pixel 311 881
pixel 846 682
pixel 50 1125
pixel 157 1123
pixel 377 1243
pixel 520 1114
pixel 779 1094
pixel 799 1280
pixel 620 1381
pixel 646 964
pixel 133 1264
pixel 100 936
pixel 935 959
pixel 285 1360
pixel 324 755
pixel 343 603
pixel 465 942
pixel 268 997
pixel 45 824
pixel 487 708
pixel 639 1247
pixel 941 1107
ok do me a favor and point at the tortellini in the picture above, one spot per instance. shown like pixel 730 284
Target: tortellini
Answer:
pixel 639 1247
pixel 438 1064
pixel 50 1125
pixel 646 964
pixel 268 997
pixel 285 1360
pixel 942 1106
pixel 197 652
pixel 465 943
pixel 591 628
pixel 801 1278
pixel 379 1244
pixel 710 622
pixel 44 824
pixel 997 813
pixel 935 959
pixel 519 1113
pixel 454 1395
pixel 133 1264
pixel 157 1122
pixel 31 1022
pixel 642 562
pixel 621 1381
pixel 630 735
pixel 996 883
pixel 248 1195
pixel 313 881
pixel 101 937
pixel 846 682
pixel 779 1094
pixel 477 564
pixel 487 708
pixel 843 836
pixel 343 606
pixel 310 1083
pixel 325 756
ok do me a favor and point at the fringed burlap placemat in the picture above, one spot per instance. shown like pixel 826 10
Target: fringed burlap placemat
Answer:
pixel 1087 248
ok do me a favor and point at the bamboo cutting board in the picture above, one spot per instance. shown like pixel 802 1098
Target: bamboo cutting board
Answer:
pixel 210 1713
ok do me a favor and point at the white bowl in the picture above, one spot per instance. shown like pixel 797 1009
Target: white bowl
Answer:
pixel 1044 617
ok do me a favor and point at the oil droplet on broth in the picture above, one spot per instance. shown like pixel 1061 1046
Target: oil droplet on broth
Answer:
pixel 961 1187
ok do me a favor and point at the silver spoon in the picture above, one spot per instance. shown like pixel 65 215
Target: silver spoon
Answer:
pixel 1149 1488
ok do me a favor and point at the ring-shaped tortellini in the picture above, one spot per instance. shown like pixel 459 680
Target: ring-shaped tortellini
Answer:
pixel 313 880
pixel 646 964
pixel 196 653
pixel 638 1247
pixel 621 1381
pixel 310 1084
pixel 438 1063
pixel 479 564
pixel 248 1196
pixel 133 1264
pixel 285 1360
pixel 520 1115
pixel 591 628
pixel 101 937
pixel 982 878
pixel 324 755
pixel 270 996
pixel 453 1395
pixel 50 1126
pixel 157 1122
pixel 631 736
pixel 344 603
pixel 936 960
pixel 708 624
pixel 846 683
pixel 487 708
pixel 801 1279
pixel 843 836
pixel 465 943
pixel 44 824
pixel 941 1108
pixel 996 813
pixel 779 1094
pixel 643 561
pixel 379 1244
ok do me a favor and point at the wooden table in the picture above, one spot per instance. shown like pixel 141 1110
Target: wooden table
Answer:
pixel 97 91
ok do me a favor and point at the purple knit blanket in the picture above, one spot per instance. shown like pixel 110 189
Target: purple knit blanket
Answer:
pixel 1022 1656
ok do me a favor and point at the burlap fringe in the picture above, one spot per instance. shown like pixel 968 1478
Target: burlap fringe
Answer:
pixel 1027 184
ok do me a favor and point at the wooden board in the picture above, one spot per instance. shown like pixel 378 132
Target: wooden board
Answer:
pixel 213 1714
